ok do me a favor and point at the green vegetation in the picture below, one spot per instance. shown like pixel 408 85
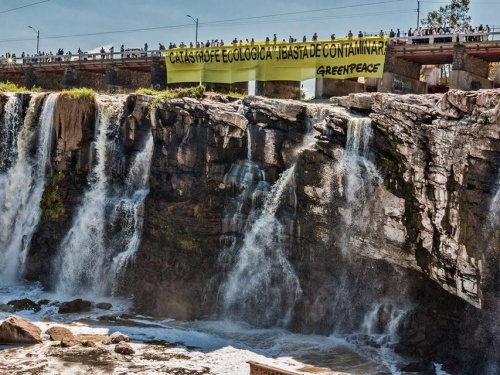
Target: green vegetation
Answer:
pixel 52 204
pixel 184 92
pixel 453 14
pixel 80 93
pixel 12 87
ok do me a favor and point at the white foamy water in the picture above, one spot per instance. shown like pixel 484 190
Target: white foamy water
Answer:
pixel 221 348
pixel 22 186
pixel 107 227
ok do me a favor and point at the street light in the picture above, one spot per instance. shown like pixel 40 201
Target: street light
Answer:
pixel 37 39
pixel 196 22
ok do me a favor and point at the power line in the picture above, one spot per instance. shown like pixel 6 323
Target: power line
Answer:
pixel 24 6
pixel 227 22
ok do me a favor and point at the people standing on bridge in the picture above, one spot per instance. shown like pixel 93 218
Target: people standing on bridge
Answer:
pixel 145 47
pixel 349 34
pixel 381 33
pixel 103 51
pixel 360 34
pixel 304 39
pixel 315 37
pixel 332 37
pixel 111 51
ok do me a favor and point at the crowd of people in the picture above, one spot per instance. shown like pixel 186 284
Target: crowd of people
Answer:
pixel 443 34
pixel 417 36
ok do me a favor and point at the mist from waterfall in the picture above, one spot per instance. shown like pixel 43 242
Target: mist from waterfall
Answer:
pixel 26 152
pixel 107 227
pixel 262 287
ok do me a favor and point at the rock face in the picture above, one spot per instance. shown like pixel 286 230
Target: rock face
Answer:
pixel 116 338
pixel 59 334
pixel 17 330
pixel 124 348
pixel 76 306
pixel 392 204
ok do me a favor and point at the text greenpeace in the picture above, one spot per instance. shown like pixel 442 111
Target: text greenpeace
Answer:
pixel 339 59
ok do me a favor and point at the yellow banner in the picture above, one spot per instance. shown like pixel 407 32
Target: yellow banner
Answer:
pixel 339 59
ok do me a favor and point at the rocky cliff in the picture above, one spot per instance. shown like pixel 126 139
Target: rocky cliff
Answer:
pixel 399 222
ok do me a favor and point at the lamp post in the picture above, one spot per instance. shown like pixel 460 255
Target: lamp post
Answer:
pixel 37 39
pixel 196 22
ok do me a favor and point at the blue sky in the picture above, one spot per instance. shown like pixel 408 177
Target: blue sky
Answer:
pixel 59 21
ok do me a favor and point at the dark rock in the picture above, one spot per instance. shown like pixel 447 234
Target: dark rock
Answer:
pixel 124 348
pixel 115 338
pixel 69 343
pixel 423 367
pixel 24 304
pixel 75 306
pixel 88 344
pixel 103 305
pixel 59 334
pixel 16 330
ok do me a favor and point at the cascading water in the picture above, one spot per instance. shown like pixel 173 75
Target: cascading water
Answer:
pixel 348 187
pixel 262 287
pixel 107 227
pixel 22 184
pixel 13 121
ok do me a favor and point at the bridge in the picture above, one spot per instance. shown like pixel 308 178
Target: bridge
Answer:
pixel 468 54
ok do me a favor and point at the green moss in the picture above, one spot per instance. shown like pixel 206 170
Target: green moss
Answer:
pixel 186 92
pixel 52 204
pixel 12 87
pixel 80 93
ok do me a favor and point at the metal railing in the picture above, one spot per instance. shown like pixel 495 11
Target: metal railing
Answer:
pixel 131 53
pixel 445 38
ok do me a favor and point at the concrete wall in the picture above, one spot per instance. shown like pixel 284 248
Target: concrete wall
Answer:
pixel 278 89
pixel 462 80
pixel 327 87
pixel 239 87
pixel 16 78
pixel 399 84
pixel 123 80
pixel 402 67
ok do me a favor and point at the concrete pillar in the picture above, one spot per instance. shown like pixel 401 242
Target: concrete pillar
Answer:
pixel 111 78
pixel 158 75
pixel 30 80
pixel 400 76
pixel 278 89
pixel 327 87
pixel 468 72
pixel 70 78
pixel 398 84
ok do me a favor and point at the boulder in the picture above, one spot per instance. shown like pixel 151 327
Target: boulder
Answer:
pixel 88 344
pixel 75 306
pixel 124 348
pixel 115 338
pixel 69 343
pixel 59 334
pixel 24 304
pixel 16 330
pixel 103 305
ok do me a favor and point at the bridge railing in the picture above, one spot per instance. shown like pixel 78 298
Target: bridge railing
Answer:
pixel 446 38
pixel 130 53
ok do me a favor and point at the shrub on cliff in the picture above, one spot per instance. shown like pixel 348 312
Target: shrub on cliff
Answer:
pixel 12 87
pixel 82 93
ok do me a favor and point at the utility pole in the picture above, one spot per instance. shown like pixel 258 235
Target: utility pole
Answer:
pixel 196 36
pixel 418 13
pixel 37 39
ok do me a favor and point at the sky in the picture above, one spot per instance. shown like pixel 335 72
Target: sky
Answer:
pixel 92 24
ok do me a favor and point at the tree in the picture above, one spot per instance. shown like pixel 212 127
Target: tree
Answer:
pixel 453 14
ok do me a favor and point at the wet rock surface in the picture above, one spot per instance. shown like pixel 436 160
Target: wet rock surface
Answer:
pixel 17 330
pixel 437 157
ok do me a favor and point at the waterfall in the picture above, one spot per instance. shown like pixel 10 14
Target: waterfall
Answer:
pixel 262 287
pixel 22 184
pixel 357 178
pixel 107 226
pixel 13 121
